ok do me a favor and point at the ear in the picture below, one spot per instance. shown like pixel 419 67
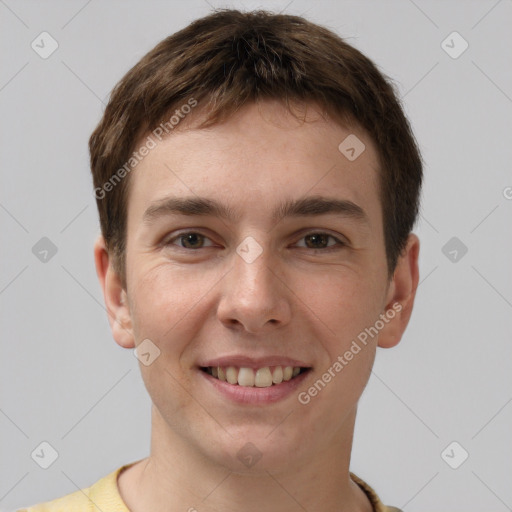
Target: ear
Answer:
pixel 401 294
pixel 114 295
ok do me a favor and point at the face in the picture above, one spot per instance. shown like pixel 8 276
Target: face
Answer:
pixel 255 250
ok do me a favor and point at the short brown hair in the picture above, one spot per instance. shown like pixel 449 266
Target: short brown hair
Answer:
pixel 229 59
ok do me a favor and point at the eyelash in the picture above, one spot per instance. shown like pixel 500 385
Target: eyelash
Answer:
pixel 339 243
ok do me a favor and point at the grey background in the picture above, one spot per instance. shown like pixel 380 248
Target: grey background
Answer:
pixel 65 381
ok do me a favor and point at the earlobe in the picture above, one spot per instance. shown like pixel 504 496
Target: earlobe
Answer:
pixel 401 294
pixel 114 296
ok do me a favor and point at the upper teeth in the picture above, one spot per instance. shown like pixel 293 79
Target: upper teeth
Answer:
pixel 249 377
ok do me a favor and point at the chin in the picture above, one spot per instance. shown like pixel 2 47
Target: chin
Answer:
pixel 254 449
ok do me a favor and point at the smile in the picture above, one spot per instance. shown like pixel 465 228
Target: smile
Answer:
pixel 263 377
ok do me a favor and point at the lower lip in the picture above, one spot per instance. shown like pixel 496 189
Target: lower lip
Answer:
pixel 254 395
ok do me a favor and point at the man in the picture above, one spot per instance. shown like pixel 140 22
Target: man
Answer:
pixel 257 184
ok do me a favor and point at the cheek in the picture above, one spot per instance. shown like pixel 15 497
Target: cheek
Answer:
pixel 348 303
pixel 171 305
pixel 163 297
pixel 343 302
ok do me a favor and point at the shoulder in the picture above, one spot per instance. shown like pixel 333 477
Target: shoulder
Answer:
pixel 73 502
pixel 102 495
pixel 377 504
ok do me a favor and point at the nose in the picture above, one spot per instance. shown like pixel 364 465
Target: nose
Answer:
pixel 254 296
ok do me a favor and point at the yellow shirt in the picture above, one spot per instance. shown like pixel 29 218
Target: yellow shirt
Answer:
pixel 104 495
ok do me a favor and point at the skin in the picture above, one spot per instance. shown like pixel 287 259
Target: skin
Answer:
pixel 297 299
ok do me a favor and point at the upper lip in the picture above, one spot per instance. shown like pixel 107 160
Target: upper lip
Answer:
pixel 253 362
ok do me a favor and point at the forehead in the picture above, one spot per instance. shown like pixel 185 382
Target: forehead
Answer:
pixel 256 158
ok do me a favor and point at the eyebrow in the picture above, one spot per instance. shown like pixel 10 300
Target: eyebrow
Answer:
pixel 305 207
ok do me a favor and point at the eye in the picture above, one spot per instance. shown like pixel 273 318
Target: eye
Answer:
pixel 316 240
pixel 189 240
pixel 320 240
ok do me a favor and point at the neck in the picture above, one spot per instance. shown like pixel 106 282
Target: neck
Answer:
pixel 177 477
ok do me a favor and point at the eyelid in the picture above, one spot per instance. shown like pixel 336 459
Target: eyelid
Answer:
pixel 340 240
pixel 175 236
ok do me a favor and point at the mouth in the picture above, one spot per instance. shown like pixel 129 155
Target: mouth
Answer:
pixel 263 377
